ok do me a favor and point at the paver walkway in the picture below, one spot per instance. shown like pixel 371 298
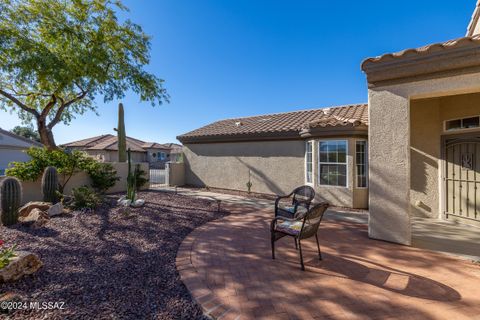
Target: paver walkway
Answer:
pixel 226 265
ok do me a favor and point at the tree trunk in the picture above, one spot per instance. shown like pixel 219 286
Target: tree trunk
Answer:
pixel 46 135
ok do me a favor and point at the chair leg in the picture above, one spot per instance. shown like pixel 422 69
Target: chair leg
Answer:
pixel 301 256
pixel 296 245
pixel 273 246
pixel 318 247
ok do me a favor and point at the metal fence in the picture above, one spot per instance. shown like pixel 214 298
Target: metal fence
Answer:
pixel 157 177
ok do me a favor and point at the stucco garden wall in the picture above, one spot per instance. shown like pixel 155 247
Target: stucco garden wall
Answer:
pixel 426 118
pixel 390 154
pixel 32 189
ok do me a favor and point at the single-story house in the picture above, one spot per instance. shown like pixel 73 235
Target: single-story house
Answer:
pixel 324 148
pixel 12 148
pixel 414 151
pixel 105 148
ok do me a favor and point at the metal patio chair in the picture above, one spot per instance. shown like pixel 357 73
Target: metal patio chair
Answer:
pixel 301 199
pixel 299 229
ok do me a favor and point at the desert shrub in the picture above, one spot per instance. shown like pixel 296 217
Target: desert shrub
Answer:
pixel 66 163
pixel 141 177
pixel 84 198
pixel 6 254
pixel 103 175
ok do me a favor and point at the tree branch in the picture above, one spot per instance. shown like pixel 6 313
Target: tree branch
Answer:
pixel 48 107
pixel 19 103
pixel 63 106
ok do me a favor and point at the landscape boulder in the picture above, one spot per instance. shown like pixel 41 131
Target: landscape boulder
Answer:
pixel 55 210
pixel 27 208
pixel 36 217
pixel 24 263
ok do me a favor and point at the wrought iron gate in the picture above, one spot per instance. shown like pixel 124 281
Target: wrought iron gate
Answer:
pixel 157 178
pixel 462 177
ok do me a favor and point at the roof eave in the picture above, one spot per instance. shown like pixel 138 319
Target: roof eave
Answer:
pixel 474 21
pixel 399 69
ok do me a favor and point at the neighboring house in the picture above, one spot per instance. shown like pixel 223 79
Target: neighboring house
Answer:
pixel 12 148
pixel 324 148
pixel 105 148
pixel 423 143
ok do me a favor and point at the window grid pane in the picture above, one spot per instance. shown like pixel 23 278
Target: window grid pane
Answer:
pixel 309 162
pixel 333 163
pixel 361 165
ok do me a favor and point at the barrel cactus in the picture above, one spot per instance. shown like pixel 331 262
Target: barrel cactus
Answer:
pixel 50 185
pixel 10 200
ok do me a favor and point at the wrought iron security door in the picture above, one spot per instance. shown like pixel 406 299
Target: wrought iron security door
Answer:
pixel 462 177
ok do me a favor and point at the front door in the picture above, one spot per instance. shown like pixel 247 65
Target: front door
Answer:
pixel 462 178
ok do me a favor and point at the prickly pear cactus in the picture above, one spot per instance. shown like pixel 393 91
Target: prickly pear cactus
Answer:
pixel 10 200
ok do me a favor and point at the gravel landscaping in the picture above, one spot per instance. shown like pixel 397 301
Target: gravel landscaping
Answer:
pixel 105 265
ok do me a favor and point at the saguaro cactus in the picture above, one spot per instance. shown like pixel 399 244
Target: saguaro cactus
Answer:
pixel 10 200
pixel 50 185
pixel 131 180
pixel 121 135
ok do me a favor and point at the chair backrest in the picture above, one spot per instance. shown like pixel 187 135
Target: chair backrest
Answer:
pixel 312 220
pixel 303 196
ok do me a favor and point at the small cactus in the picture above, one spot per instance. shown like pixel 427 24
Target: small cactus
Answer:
pixel 10 200
pixel 50 185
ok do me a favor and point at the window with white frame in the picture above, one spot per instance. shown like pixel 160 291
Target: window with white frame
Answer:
pixel 332 163
pixel 462 124
pixel 361 162
pixel 161 155
pixel 309 162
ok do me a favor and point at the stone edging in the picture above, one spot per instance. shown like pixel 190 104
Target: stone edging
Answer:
pixel 196 285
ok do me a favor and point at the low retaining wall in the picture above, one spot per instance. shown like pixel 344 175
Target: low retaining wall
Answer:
pixel 32 190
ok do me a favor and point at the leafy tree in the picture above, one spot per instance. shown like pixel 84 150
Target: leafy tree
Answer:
pixel 56 56
pixel 27 132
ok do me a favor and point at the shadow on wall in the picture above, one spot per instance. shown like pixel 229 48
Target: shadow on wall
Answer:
pixel 258 174
pixel 421 163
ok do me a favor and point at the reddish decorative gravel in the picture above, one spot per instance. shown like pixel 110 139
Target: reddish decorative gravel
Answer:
pixel 105 266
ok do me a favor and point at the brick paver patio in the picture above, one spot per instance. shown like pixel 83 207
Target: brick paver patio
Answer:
pixel 227 266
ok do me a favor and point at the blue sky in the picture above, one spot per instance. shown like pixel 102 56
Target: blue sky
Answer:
pixel 225 59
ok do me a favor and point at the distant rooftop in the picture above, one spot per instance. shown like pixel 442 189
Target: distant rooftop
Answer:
pixel 109 142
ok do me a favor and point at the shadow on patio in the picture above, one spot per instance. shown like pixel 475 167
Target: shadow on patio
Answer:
pixel 359 278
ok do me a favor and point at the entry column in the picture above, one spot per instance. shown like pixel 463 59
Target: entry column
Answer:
pixel 389 174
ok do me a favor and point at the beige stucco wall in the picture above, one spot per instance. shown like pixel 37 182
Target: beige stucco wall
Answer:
pixel 427 118
pixel 389 154
pixel 175 172
pixel 276 167
pixel 32 190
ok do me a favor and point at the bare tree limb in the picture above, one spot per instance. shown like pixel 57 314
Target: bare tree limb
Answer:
pixel 63 106
pixel 19 103
pixel 48 107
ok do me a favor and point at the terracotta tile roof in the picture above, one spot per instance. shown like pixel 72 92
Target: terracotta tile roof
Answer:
pixel 289 122
pixel 109 142
pixel 473 41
